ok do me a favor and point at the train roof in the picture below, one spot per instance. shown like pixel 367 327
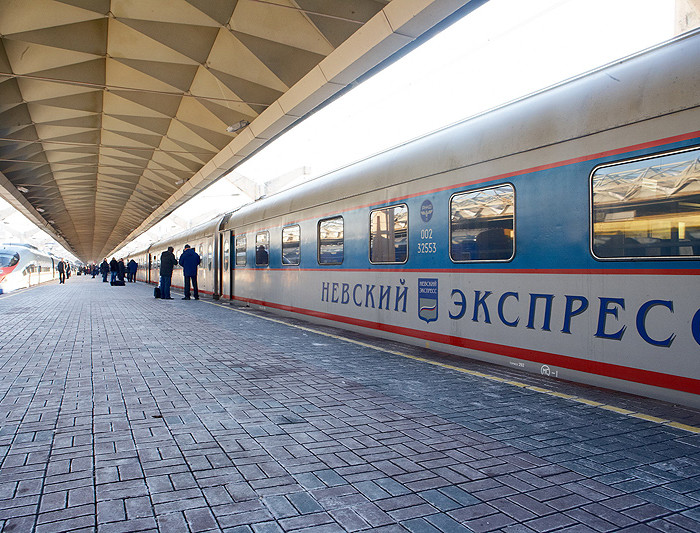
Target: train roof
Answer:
pixel 22 245
pixel 193 233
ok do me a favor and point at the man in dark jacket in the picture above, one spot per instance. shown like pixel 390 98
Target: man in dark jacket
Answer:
pixel 189 261
pixel 167 263
pixel 104 270
pixel 113 270
pixel 121 267
pixel 61 267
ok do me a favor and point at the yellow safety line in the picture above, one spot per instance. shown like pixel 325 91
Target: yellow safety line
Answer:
pixel 592 403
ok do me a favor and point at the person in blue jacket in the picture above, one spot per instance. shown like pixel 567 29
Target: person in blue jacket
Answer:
pixel 189 260
pixel 131 269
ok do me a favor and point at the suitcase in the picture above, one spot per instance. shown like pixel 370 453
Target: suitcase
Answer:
pixel 156 292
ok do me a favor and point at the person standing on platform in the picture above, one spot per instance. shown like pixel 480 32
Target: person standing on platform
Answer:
pixel 122 270
pixel 61 267
pixel 113 270
pixel 189 261
pixel 168 261
pixel 104 270
pixel 67 270
pixel 132 267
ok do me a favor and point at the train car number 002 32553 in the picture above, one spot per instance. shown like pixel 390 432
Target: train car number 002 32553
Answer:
pixel 427 246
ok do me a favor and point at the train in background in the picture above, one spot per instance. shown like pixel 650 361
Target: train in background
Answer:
pixel 23 265
pixel 558 234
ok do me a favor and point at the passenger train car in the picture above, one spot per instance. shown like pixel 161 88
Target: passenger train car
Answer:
pixel 559 234
pixel 23 265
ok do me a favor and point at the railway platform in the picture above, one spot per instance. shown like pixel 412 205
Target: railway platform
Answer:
pixel 122 413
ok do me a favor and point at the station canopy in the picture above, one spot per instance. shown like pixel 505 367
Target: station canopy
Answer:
pixel 115 112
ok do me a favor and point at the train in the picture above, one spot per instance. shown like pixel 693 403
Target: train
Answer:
pixel 24 265
pixel 558 234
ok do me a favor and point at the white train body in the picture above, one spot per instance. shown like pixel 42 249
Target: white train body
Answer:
pixel 23 266
pixel 559 235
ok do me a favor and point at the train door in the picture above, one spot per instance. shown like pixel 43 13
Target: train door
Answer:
pixel 218 265
pixel 226 265
pixel 218 261
pixel 210 263
pixel 154 269
pixel 231 265
pixel 202 271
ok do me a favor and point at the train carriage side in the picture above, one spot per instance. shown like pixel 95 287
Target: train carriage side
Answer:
pixel 142 262
pixel 143 272
pixel 23 266
pixel 558 235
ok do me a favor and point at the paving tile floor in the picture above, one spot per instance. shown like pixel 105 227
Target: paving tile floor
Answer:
pixel 121 413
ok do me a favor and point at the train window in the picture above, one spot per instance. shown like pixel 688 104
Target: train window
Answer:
pixel 330 241
pixel 209 258
pixel 226 254
pixel 241 250
pixel 262 248
pixel 291 245
pixel 647 208
pixel 8 259
pixel 388 235
pixel 482 224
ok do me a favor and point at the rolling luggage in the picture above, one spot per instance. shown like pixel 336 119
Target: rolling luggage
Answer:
pixel 156 292
pixel 117 283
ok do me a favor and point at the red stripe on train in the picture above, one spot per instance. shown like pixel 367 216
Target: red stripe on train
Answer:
pixel 636 375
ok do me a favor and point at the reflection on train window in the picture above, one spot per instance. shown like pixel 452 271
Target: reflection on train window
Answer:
pixel 648 208
pixel 241 253
pixel 482 224
pixel 388 235
pixel 226 253
pixel 262 248
pixel 330 241
pixel 209 258
pixel 291 245
pixel 202 257
pixel 8 259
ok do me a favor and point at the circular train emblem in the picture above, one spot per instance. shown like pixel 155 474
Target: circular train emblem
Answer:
pixel 426 210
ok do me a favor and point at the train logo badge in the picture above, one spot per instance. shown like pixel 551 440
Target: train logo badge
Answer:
pixel 428 299
pixel 426 211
